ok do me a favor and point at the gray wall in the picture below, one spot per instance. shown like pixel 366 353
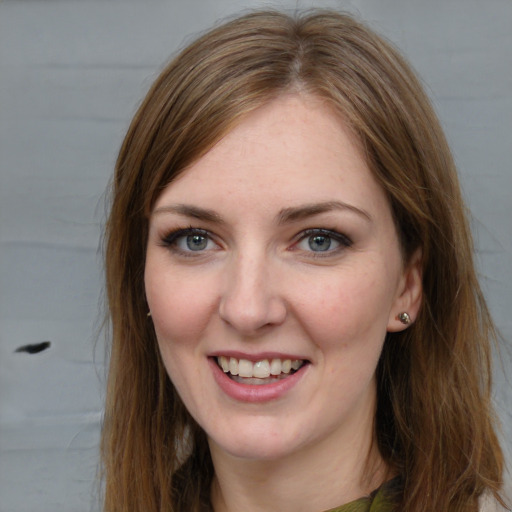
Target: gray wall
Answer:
pixel 71 75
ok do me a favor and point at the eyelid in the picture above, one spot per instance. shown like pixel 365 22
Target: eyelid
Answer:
pixel 340 238
pixel 172 235
pixel 170 240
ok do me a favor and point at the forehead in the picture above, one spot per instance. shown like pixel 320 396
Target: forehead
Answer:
pixel 293 149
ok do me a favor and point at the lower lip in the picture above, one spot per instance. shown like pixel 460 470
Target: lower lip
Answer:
pixel 255 392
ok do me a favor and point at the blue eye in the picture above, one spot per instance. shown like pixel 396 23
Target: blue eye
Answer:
pixel 189 240
pixel 196 242
pixel 322 241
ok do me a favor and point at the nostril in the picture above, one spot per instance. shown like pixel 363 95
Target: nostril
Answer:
pixel 34 348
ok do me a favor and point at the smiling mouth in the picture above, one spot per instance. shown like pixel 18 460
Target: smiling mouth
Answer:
pixel 261 372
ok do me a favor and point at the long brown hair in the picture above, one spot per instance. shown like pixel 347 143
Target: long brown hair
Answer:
pixel 434 422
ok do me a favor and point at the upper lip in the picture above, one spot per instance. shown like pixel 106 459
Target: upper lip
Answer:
pixel 260 356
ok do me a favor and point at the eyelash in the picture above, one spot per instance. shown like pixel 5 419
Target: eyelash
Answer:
pixel 170 240
pixel 343 240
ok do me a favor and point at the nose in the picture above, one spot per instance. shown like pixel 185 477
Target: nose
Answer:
pixel 252 300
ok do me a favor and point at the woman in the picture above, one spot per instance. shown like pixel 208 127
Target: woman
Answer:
pixel 296 319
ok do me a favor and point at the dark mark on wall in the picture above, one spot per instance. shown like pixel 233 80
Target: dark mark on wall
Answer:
pixel 34 348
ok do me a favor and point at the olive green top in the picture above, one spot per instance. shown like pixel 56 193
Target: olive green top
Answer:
pixel 377 501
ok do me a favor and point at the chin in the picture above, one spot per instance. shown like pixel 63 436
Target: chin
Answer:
pixel 261 446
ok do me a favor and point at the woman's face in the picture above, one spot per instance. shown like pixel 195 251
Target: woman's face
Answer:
pixel 273 273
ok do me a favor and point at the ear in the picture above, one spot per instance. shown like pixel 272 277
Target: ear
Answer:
pixel 409 293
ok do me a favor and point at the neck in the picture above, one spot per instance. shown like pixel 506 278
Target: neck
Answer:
pixel 318 478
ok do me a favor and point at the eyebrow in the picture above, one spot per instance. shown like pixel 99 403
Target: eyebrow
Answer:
pixel 286 215
pixel 294 214
pixel 191 211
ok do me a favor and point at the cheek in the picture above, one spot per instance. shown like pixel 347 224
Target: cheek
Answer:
pixel 180 304
pixel 180 310
pixel 346 310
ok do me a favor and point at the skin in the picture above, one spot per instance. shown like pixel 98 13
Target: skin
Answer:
pixel 260 285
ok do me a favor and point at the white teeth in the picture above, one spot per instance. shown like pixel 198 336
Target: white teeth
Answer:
pixel 224 364
pixel 233 366
pixel 296 364
pixel 275 367
pixel 260 369
pixel 245 368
